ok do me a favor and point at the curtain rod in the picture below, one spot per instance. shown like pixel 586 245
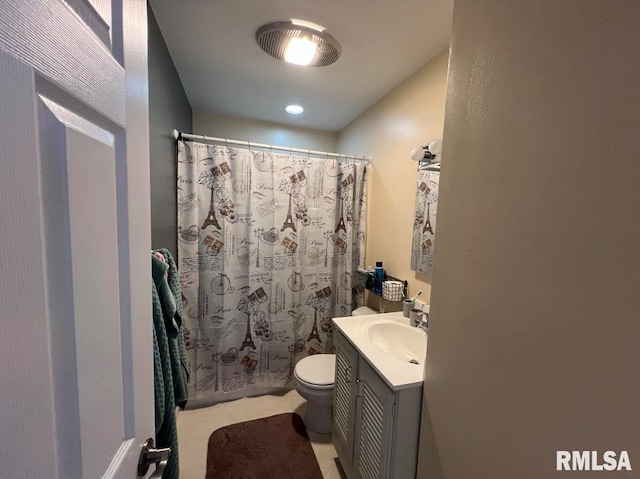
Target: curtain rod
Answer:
pixel 189 136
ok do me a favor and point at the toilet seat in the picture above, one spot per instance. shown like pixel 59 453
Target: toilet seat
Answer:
pixel 316 387
pixel 317 371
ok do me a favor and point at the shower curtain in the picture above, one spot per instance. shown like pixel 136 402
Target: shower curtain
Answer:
pixel 267 245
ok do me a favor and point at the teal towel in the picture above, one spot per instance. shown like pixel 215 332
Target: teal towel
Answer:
pixel 166 428
pixel 178 352
pixel 169 356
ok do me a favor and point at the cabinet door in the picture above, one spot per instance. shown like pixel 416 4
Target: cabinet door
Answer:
pixel 345 394
pixel 375 428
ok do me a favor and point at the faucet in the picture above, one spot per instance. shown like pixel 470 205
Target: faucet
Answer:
pixel 421 320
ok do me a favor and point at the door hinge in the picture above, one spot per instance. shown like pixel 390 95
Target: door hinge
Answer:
pixel 393 410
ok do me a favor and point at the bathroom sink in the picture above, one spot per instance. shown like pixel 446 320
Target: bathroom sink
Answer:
pixel 403 342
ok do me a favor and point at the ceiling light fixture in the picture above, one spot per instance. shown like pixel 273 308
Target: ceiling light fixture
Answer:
pixel 294 110
pixel 300 51
pixel 428 156
pixel 298 42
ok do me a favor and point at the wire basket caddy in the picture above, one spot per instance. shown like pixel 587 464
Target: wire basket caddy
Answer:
pixel 387 288
pixel 393 290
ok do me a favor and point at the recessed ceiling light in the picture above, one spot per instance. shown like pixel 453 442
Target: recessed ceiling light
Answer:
pixel 298 43
pixel 294 109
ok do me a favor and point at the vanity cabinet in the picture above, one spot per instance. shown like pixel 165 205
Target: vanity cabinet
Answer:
pixel 375 427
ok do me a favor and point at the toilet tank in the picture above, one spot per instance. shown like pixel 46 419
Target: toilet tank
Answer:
pixel 362 311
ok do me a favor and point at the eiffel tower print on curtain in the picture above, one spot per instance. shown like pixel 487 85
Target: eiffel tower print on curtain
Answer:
pixel 259 256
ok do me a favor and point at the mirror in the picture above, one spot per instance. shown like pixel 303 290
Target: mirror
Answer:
pixel 424 221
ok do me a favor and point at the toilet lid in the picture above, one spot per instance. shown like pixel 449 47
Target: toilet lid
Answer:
pixel 317 369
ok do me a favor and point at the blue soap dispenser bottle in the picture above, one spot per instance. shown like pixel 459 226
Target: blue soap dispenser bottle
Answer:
pixel 379 273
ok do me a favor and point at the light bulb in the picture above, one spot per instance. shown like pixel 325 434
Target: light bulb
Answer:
pixel 417 154
pixel 435 147
pixel 300 51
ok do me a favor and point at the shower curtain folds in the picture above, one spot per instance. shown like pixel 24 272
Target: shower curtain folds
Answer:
pixel 267 243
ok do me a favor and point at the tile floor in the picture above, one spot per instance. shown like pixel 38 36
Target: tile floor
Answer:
pixel 195 427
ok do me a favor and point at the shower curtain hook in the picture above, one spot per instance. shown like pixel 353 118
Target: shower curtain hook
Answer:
pixel 206 145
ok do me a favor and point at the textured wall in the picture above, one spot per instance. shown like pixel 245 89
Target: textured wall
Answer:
pixel 410 115
pixel 168 109
pixel 211 124
pixel 535 335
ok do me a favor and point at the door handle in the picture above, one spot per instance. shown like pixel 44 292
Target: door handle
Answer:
pixel 149 455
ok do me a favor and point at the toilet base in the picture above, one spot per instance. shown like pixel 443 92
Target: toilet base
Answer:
pixel 319 417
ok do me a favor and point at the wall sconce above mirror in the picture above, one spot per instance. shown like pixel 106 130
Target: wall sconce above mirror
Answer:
pixel 428 156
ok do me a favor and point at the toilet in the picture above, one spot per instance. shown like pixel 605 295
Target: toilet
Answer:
pixel 314 378
pixel 363 311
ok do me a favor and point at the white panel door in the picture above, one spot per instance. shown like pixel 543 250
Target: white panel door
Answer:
pixel 76 388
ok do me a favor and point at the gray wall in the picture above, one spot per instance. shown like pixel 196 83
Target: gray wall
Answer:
pixel 169 108
pixel 534 344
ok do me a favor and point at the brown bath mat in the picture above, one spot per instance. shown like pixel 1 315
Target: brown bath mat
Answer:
pixel 271 447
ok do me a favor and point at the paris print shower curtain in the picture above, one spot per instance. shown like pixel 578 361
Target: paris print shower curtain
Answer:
pixel 267 244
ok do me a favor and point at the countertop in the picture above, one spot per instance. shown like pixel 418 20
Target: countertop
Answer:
pixel 397 374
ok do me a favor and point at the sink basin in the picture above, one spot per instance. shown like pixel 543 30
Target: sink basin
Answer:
pixel 403 342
